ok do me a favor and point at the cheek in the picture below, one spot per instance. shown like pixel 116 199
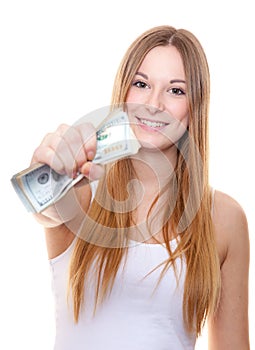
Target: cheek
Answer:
pixel 133 96
pixel 130 97
pixel 179 111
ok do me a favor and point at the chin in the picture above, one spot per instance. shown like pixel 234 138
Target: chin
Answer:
pixel 155 145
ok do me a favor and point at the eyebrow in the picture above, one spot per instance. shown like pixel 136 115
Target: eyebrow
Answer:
pixel 177 81
pixel 171 81
pixel 142 74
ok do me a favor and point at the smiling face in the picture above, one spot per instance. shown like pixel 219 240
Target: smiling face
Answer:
pixel 156 101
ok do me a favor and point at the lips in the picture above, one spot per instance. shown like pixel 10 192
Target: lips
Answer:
pixel 152 124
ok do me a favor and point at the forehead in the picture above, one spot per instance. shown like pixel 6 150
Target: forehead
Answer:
pixel 165 61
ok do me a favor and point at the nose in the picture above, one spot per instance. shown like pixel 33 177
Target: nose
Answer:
pixel 154 102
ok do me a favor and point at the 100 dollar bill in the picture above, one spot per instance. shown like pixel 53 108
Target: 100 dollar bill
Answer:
pixel 39 186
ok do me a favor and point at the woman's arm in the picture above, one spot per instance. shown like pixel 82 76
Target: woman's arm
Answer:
pixel 228 328
pixel 58 238
pixel 68 150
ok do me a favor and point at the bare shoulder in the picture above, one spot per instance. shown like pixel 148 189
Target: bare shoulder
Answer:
pixel 227 210
pixel 231 227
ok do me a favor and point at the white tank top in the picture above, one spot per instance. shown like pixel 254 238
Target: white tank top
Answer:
pixel 135 316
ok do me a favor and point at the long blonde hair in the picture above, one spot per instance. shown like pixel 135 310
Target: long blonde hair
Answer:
pixel 103 239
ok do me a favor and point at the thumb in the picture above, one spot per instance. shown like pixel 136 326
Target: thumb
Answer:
pixel 92 171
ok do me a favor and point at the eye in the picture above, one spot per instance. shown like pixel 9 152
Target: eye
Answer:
pixel 177 91
pixel 140 84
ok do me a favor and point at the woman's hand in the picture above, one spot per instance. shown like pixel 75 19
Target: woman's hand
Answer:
pixel 69 150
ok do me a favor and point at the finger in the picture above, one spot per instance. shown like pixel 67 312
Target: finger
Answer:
pixel 75 143
pixel 63 152
pixel 88 135
pixel 56 149
pixel 92 171
pixel 46 155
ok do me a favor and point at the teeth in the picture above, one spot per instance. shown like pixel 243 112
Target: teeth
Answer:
pixel 152 124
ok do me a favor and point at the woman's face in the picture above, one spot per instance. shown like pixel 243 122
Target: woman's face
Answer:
pixel 156 101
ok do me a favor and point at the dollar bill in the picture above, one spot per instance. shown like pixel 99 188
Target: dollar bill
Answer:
pixel 39 186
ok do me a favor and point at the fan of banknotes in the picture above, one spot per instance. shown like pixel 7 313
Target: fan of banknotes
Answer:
pixel 39 186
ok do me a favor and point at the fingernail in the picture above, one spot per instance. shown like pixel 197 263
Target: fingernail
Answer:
pixel 75 174
pixel 86 169
pixel 90 155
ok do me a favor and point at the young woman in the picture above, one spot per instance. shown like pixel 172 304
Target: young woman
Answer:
pixel 143 256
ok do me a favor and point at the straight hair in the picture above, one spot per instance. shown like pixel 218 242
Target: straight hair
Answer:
pixel 190 219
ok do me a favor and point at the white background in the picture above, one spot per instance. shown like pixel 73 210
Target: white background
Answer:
pixel 58 62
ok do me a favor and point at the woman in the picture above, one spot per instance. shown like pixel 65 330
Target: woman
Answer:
pixel 147 273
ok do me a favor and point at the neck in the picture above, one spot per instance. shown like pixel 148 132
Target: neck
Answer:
pixel 150 163
pixel 154 168
pixel 154 171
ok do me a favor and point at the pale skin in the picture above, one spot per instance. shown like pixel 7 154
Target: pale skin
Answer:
pixel 158 85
